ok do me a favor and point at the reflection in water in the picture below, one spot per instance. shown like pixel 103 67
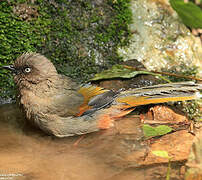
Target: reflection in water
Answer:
pixel 35 155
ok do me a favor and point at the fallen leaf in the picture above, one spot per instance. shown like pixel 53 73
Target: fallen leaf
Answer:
pixel 163 154
pixel 160 130
pixel 122 71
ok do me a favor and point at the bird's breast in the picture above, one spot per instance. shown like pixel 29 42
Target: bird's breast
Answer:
pixel 33 105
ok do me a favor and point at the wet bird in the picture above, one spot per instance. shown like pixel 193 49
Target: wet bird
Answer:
pixel 58 106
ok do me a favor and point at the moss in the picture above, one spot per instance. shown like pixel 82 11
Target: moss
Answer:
pixel 191 109
pixel 80 37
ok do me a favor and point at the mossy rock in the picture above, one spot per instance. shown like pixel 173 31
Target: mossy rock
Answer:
pixel 80 37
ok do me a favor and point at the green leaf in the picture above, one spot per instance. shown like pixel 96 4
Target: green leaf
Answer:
pixel 121 71
pixel 149 131
pixel 190 14
pixel 163 154
pixel 160 130
pixel 163 129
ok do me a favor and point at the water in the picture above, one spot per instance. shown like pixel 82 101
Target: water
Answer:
pixel 29 154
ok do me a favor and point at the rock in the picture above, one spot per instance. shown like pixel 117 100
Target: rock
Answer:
pixel 159 38
pixel 194 163
pixel 177 144
pixel 164 114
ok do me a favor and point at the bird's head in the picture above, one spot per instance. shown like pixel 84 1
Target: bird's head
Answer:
pixel 32 68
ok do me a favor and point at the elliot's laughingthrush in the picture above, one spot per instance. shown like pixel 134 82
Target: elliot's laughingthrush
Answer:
pixel 58 106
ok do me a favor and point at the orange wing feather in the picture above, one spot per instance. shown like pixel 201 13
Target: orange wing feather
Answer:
pixel 89 92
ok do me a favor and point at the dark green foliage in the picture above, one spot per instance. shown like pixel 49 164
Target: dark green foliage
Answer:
pixel 190 13
pixel 80 37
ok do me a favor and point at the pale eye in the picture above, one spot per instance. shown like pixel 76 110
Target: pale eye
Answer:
pixel 27 69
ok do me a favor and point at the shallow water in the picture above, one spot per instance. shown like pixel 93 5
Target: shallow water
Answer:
pixel 28 153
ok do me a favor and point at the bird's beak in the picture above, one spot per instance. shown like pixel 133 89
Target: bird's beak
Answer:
pixel 9 67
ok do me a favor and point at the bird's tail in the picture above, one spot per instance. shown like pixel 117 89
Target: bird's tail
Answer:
pixel 126 101
pixel 161 93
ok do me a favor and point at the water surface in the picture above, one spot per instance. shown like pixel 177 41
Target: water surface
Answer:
pixel 29 154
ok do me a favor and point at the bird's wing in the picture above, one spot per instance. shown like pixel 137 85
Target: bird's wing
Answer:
pixel 67 100
pixel 66 103
pixel 94 98
pixel 74 100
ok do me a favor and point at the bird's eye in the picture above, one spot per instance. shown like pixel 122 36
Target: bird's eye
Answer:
pixel 27 69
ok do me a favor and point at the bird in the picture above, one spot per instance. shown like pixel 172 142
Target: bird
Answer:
pixel 61 107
